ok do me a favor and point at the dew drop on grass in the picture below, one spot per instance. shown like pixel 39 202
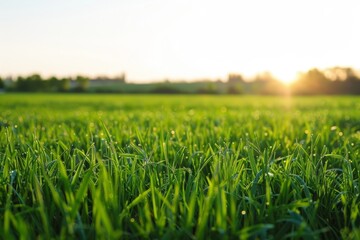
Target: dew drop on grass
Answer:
pixel 270 174
pixel 12 176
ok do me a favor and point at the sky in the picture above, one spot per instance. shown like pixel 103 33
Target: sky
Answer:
pixel 152 40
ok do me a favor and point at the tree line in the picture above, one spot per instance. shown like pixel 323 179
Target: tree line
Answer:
pixel 335 80
pixel 35 83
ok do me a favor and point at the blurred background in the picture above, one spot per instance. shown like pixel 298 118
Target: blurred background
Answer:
pixel 158 46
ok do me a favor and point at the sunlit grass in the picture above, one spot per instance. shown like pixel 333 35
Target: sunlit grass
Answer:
pixel 181 167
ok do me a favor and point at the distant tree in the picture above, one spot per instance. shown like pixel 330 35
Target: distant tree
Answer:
pixel 235 78
pixel 234 83
pixel 313 81
pixel 264 77
pixel 35 78
pixel 209 89
pixel 35 83
pixel 265 83
pixel 353 85
pixel 234 89
pixel 22 84
pixel 344 80
pixel 352 82
pixel 121 78
pixel 101 78
pixel 82 83
pixel 340 73
pixel 64 85
pixel 53 84
pixel 314 76
pixel 2 84
pixel 165 90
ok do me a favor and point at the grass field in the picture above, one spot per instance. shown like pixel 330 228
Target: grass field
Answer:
pixel 179 167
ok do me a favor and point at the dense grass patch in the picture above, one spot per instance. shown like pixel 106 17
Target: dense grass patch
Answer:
pixel 181 167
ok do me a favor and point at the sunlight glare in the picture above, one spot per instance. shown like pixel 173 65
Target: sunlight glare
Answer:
pixel 286 76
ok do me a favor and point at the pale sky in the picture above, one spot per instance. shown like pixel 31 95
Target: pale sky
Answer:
pixel 177 39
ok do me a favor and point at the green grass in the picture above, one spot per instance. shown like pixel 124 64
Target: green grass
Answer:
pixel 179 167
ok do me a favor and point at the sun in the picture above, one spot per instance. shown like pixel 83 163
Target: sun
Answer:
pixel 286 76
